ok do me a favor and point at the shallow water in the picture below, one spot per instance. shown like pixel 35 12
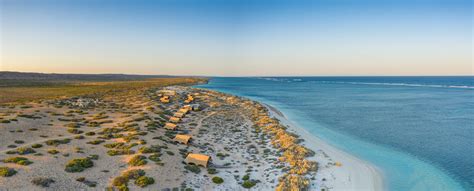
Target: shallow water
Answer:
pixel 418 130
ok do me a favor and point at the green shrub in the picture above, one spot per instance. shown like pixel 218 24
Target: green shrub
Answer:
pixel 18 160
pixel 146 150
pixel 79 137
pixel 75 131
pixel 246 177
pixel 7 172
pixel 53 151
pixel 120 181
pixel 193 168
pixel 248 184
pixel 115 152
pixel 25 150
pixel 217 180
pixel 81 179
pixel 211 171
pixel 144 181
pixel 36 146
pixel 134 174
pixel 86 182
pixel 137 160
pixel 114 145
pixel 43 182
pixel 73 125
pixel 90 133
pixel 19 141
pixel 95 142
pixel 78 165
pixel 155 157
pixel 57 142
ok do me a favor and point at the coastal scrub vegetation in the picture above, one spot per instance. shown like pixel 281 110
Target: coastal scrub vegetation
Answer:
pixel 7 172
pixel 137 160
pixel 18 93
pixel 79 165
pixel 144 181
pixel 42 181
pixel 18 160
pixel 217 180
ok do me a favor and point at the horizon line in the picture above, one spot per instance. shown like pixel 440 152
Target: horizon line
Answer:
pixel 242 76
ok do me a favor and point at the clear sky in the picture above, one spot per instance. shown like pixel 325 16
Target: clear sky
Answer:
pixel 238 37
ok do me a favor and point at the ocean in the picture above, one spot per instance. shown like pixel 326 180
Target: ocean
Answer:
pixel 418 130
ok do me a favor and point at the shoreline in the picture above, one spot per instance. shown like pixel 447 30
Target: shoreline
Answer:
pixel 353 174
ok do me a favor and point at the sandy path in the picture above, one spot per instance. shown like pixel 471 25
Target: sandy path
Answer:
pixel 354 174
pixel 199 123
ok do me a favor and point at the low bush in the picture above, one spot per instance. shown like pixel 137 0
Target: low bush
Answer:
pixel 115 152
pixel 75 131
pixel 134 174
pixel 193 168
pixel 137 160
pixel 155 157
pixel 95 142
pixel 18 160
pixel 25 150
pixel 36 146
pixel 43 182
pixel 248 184
pixel 57 142
pixel 217 180
pixel 146 150
pixel 144 181
pixel 7 172
pixel 78 165
pixel 211 171
pixel 90 133
pixel 120 181
pixel 79 137
pixel 87 182
pixel 114 145
pixel 53 151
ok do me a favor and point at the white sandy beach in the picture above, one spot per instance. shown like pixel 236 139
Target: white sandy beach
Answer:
pixel 353 174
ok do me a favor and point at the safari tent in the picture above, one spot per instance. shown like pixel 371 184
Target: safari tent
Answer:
pixel 183 110
pixel 174 119
pixel 197 159
pixel 165 99
pixel 195 107
pixel 170 126
pixel 179 115
pixel 184 139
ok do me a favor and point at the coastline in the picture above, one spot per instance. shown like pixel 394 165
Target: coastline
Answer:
pixel 353 174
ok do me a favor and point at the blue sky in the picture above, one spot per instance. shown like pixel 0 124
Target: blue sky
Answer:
pixel 238 38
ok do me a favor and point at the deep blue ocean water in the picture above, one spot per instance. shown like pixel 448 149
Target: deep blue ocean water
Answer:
pixel 418 130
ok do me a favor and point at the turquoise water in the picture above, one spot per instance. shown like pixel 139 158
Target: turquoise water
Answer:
pixel 418 130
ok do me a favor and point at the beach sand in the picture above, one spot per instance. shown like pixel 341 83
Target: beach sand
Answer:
pixel 353 174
